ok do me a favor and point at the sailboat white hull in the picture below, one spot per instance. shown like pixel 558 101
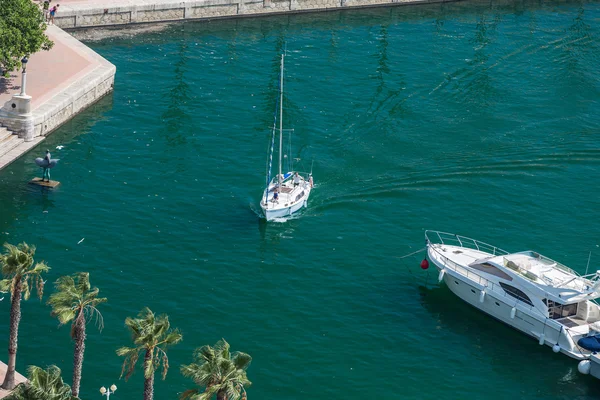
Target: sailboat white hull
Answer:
pixel 282 208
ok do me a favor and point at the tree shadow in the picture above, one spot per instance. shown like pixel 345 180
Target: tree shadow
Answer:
pixel 9 85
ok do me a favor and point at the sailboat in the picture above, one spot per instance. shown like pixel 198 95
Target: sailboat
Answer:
pixel 285 193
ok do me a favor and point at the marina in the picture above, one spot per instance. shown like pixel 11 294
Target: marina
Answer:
pixel 469 117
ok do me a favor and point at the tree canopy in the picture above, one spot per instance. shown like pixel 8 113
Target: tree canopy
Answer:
pixel 43 384
pixel 22 29
pixel 219 371
pixel 75 301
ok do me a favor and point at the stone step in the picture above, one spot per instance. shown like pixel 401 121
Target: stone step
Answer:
pixel 4 134
pixel 9 144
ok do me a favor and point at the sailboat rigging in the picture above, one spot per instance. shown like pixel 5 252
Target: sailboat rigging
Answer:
pixel 286 193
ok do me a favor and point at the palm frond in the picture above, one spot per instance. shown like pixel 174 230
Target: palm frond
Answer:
pixel 39 268
pixel 219 370
pixel 173 338
pixel 241 360
pixel 25 288
pixel 92 313
pixel 5 285
pixel 152 334
pixel 150 364
pixel 131 355
pixel 191 394
pixel 42 385
pixel 75 297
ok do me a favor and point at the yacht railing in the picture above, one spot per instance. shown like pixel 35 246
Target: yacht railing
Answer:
pixel 451 239
pixel 550 262
pixel 463 241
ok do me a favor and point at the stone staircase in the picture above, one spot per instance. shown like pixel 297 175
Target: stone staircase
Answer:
pixel 8 141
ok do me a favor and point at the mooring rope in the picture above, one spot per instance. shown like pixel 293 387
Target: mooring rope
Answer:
pixel 408 268
pixel 413 253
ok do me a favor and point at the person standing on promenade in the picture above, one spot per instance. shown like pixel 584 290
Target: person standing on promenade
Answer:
pixel 45 8
pixel 53 11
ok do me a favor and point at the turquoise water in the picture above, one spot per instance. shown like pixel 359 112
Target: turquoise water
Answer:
pixel 475 118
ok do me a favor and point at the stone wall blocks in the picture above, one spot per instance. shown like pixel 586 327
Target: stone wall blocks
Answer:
pixel 168 10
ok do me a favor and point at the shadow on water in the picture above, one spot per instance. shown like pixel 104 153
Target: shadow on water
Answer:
pixel 504 345
pixel 269 25
pixel 15 192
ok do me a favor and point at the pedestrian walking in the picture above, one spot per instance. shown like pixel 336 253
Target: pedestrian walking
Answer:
pixel 53 11
pixel 45 8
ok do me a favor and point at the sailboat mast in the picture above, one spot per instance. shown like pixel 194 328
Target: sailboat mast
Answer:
pixel 281 122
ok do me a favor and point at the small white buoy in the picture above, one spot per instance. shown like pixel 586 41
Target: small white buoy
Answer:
pixel 441 275
pixel 584 366
pixel 482 296
pixel 542 338
pixel 556 348
pixel 513 312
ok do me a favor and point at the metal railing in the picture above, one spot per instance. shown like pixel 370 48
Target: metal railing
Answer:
pixel 550 262
pixel 463 241
pixel 451 239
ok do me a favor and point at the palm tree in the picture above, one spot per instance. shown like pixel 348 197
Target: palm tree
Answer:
pixel 75 300
pixel 151 334
pixel 20 275
pixel 219 371
pixel 42 385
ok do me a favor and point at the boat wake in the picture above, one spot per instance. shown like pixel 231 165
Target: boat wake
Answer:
pixel 286 219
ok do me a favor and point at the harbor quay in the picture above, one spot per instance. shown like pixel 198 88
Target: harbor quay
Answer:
pixel 56 85
pixel 180 202
pixel 84 14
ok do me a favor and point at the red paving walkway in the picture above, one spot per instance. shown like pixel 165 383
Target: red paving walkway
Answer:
pixel 48 72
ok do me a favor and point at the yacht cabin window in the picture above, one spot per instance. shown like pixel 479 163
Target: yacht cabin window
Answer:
pixel 557 311
pixel 516 293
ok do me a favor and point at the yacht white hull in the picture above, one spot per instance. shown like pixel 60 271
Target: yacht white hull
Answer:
pixel 507 310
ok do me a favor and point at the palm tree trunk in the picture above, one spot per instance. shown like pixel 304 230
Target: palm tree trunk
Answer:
pixel 15 318
pixel 79 337
pixel 221 395
pixel 149 382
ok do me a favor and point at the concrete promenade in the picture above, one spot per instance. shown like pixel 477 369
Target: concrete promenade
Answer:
pixel 18 379
pixel 60 82
pixel 86 13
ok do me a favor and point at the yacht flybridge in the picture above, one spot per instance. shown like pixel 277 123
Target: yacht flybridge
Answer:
pixel 529 292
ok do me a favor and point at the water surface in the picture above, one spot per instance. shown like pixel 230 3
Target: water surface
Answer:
pixel 474 118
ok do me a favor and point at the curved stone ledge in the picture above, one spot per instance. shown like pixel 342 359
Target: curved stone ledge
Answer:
pixel 80 78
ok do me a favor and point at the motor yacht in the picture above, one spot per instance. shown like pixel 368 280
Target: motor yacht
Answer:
pixel 527 291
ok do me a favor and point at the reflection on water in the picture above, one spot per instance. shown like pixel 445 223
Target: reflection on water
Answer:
pixel 471 117
pixel 176 118
pixel 15 192
pixel 487 338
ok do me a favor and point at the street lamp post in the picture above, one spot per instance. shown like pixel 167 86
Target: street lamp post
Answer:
pixel 108 392
pixel 24 76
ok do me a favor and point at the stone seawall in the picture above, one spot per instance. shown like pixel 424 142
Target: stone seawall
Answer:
pixel 61 83
pixel 139 11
